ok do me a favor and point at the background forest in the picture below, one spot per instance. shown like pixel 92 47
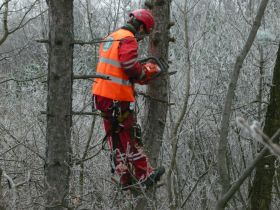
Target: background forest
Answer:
pixel 209 36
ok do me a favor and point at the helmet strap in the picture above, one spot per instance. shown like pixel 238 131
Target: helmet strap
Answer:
pixel 135 23
pixel 140 35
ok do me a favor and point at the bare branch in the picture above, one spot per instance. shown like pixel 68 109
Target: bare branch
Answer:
pixel 260 136
pixel 5 22
pixel 224 126
pixel 228 195
pixel 21 24
pixel 3 153
pixel 12 186
pixel 18 141
pixel 24 24
pixel 154 99
pixel 2 5
pixel 27 80
pixel 90 76
pixel 24 181
pixel 86 113
pixel 195 185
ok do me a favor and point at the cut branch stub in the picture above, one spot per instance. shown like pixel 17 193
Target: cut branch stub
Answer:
pixel 171 39
pixel 156 38
pixel 170 24
pixel 149 5
pixel 160 2
pixel 58 41
pixel 42 41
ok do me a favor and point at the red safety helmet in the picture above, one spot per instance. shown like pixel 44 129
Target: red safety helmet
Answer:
pixel 144 16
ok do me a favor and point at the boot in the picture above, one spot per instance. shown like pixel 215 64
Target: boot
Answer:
pixel 154 177
pixel 125 180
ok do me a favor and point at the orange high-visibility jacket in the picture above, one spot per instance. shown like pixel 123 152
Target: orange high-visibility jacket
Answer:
pixel 118 87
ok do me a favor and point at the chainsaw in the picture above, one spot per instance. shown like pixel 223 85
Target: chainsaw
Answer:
pixel 163 65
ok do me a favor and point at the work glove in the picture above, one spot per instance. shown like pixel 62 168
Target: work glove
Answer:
pixel 150 70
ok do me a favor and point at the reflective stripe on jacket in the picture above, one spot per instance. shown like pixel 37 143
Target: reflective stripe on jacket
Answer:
pixel 118 87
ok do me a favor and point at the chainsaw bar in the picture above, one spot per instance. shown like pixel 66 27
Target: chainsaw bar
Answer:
pixel 163 64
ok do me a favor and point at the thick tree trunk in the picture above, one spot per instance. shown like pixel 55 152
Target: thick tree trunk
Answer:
pixel 155 116
pixel 265 169
pixel 59 103
pixel 155 112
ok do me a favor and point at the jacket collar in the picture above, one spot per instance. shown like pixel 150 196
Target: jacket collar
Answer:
pixel 129 27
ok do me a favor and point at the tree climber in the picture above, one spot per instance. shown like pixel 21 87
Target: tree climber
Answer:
pixel 115 98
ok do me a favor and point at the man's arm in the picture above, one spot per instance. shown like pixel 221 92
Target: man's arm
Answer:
pixel 128 54
pixel 141 73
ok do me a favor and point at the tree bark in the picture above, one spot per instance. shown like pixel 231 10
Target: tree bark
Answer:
pixel 155 115
pixel 2 202
pixel 222 150
pixel 59 103
pixel 5 34
pixel 155 112
pixel 265 169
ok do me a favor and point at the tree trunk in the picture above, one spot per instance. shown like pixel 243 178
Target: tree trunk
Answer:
pixel 155 112
pixel 178 122
pixel 155 116
pixel 265 169
pixel 2 202
pixel 59 103
pixel 5 30
pixel 222 150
